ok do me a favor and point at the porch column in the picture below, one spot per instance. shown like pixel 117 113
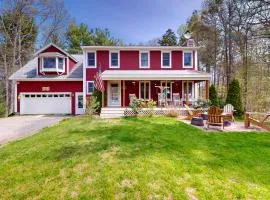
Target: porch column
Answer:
pixel 207 89
pixel 144 90
pixel 187 90
pixel 124 93
pixel 102 99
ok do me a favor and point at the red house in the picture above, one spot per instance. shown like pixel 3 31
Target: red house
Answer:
pixel 55 82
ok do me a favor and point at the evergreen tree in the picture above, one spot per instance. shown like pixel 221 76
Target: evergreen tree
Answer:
pixel 2 101
pixel 213 95
pixel 234 97
pixel 168 39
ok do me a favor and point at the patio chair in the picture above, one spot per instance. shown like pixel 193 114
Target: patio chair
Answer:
pixel 192 113
pixel 228 111
pixel 215 117
pixel 161 99
pixel 176 99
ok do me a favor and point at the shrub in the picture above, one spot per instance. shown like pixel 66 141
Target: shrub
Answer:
pixel 136 105
pixel 213 95
pixel 234 97
pixel 98 98
pixel 172 113
pixel 92 105
pixel 151 104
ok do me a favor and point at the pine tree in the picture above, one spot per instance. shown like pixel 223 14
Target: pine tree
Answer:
pixel 213 95
pixel 234 97
pixel 168 39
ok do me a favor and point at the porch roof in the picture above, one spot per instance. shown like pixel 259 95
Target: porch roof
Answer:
pixel 155 75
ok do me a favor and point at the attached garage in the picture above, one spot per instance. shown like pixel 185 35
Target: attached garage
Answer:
pixel 45 103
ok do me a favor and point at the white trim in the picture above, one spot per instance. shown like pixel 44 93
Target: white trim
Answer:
pixel 140 61
pixel 86 60
pixel 143 86
pixel 166 67
pixel 110 61
pixel 84 82
pixel 196 60
pixel 15 97
pixel 137 48
pixel 170 88
pixel 87 91
pixel 78 111
pixel 183 60
pixel 192 92
pixel 109 93
pixel 48 79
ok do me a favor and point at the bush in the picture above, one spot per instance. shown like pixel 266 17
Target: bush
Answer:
pixel 234 97
pixel 136 105
pixel 98 98
pixel 172 113
pixel 151 104
pixel 92 105
pixel 213 95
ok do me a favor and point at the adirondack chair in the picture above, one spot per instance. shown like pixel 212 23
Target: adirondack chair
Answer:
pixel 215 117
pixel 191 113
pixel 228 111
pixel 176 99
pixel 161 99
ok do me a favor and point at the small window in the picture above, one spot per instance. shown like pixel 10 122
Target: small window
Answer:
pixel 166 60
pixel 114 60
pixel 144 60
pixel 26 96
pixel 32 95
pixel 44 95
pixel 90 87
pixel 67 95
pixel 61 95
pixel 49 62
pixel 55 95
pixel 50 95
pixel 60 63
pixel 188 59
pixel 91 56
pixel 38 95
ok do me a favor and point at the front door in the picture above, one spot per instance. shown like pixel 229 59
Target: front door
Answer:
pixel 114 93
pixel 79 103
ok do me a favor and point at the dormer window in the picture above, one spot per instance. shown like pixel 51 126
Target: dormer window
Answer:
pixel 52 62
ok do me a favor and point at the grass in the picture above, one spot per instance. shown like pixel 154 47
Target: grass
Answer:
pixel 144 158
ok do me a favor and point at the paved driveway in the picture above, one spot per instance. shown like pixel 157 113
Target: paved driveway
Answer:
pixel 17 127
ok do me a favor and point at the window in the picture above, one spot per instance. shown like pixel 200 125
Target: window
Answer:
pixel 114 57
pixel 190 90
pixel 144 90
pixel 167 91
pixel 49 63
pixel 90 87
pixel 144 60
pixel 53 64
pixel 187 60
pixel 166 60
pixel 91 59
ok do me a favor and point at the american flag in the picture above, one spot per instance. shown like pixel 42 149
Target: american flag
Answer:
pixel 98 82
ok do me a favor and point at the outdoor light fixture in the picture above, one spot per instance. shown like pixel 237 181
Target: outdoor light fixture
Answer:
pixel 187 34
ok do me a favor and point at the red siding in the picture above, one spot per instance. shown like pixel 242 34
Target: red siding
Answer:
pixel 55 86
pixel 129 60
pixel 177 60
pixel 155 60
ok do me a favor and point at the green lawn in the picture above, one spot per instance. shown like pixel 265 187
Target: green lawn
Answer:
pixel 144 158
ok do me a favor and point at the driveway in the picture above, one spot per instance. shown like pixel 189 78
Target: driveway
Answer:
pixel 17 127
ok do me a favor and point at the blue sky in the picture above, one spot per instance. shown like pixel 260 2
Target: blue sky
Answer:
pixel 133 21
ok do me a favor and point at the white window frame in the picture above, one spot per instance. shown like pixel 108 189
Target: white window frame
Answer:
pixel 193 89
pixel 171 83
pixel 149 89
pixel 110 60
pixel 56 69
pixel 140 59
pixel 166 67
pixel 183 60
pixel 87 91
pixel 91 66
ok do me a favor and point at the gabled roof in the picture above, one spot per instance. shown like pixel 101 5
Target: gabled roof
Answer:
pixel 54 45
pixel 29 72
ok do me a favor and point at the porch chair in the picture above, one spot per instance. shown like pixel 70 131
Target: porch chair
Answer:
pixel 161 99
pixel 192 114
pixel 131 97
pixel 215 117
pixel 176 99
pixel 228 111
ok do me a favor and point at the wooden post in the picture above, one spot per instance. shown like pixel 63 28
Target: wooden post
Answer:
pixel 207 89
pixel 187 91
pixel 124 93
pixel 144 90
pixel 247 121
